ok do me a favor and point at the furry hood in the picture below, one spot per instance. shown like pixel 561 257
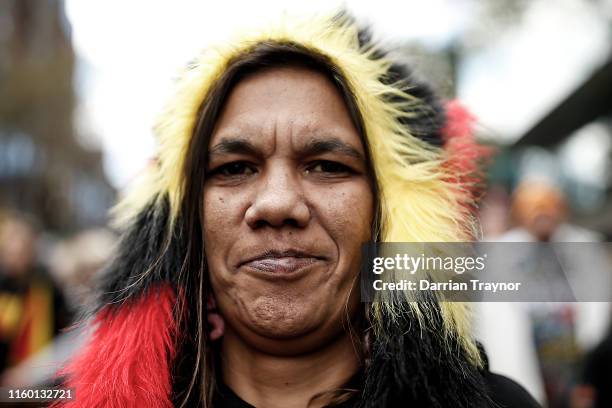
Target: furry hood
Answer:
pixel 422 352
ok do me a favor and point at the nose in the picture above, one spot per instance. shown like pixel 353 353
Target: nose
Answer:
pixel 279 201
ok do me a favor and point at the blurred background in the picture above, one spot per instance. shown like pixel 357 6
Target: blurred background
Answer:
pixel 81 84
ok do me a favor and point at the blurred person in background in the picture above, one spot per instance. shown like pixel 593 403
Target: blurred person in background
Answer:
pixel 73 264
pixel 76 261
pixel 540 211
pixel 541 345
pixel 32 308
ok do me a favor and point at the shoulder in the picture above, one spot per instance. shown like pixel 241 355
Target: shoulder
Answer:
pixel 507 393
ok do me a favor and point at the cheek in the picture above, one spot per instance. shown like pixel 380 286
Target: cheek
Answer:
pixel 347 212
pixel 221 223
pixel 221 217
pixel 215 208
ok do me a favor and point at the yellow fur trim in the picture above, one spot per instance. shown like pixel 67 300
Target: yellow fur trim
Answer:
pixel 418 202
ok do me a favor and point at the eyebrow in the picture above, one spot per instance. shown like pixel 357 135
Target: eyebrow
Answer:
pixel 331 145
pixel 311 148
pixel 234 145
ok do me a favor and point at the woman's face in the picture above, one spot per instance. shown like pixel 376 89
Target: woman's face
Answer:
pixel 287 205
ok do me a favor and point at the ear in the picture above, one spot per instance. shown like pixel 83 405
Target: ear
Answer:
pixel 215 320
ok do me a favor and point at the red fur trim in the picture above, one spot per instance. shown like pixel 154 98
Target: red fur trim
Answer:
pixel 466 156
pixel 127 361
pixel 459 121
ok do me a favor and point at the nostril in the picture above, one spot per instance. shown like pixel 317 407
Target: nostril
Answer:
pixel 260 224
pixel 291 222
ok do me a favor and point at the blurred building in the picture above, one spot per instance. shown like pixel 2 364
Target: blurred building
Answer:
pixel 570 146
pixel 437 66
pixel 44 170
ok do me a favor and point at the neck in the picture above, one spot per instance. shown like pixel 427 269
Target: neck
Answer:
pixel 265 380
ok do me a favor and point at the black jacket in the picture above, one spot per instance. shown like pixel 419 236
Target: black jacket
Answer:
pixel 503 391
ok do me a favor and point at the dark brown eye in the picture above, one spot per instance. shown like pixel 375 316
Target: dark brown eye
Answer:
pixel 238 168
pixel 327 166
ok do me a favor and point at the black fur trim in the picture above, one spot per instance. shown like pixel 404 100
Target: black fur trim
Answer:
pixel 424 120
pixel 142 258
pixel 414 366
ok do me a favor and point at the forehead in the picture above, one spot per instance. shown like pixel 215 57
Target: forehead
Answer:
pixel 295 99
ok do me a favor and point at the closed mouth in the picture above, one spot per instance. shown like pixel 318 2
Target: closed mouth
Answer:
pixel 281 262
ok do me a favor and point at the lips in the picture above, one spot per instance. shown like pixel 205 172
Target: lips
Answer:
pixel 281 262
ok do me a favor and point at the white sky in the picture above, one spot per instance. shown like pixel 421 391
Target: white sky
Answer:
pixel 130 51
pixel 516 81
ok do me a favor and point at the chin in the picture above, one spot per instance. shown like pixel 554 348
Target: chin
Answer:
pixel 281 318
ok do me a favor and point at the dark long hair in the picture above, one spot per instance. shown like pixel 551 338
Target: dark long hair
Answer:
pixel 195 277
